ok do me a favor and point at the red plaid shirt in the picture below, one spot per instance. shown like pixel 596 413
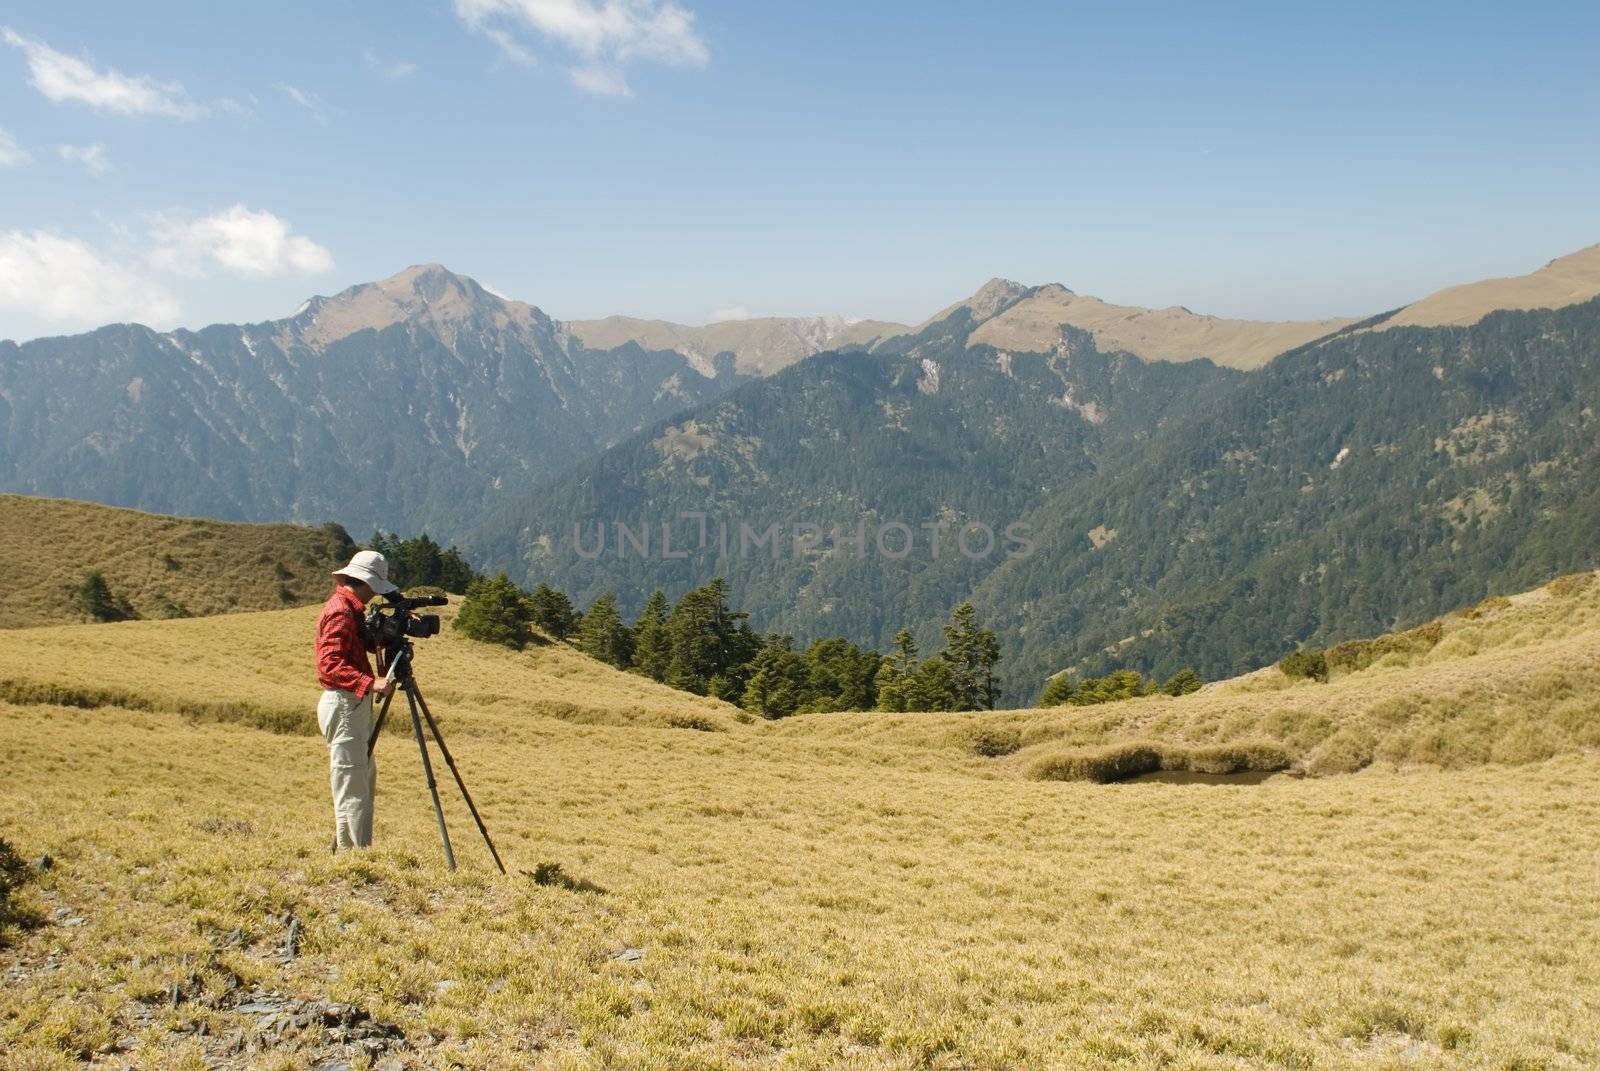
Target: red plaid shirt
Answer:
pixel 342 644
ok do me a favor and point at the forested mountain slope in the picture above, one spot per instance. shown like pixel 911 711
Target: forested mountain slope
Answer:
pixel 406 403
pixel 1182 514
pixel 923 431
pixel 1371 481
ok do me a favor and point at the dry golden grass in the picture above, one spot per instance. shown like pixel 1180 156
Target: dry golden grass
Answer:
pixel 800 905
pixel 259 669
pixel 1510 681
pixel 209 567
pixel 833 891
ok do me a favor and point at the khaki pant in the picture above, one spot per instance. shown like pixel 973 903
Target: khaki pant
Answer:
pixel 346 723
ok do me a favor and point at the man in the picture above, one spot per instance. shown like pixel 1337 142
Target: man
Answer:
pixel 345 712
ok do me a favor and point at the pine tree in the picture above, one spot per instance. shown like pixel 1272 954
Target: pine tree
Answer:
pixel 778 679
pixel 1057 690
pixel 1182 682
pixel 603 635
pixel 551 611
pixel 896 673
pixel 495 611
pixel 935 686
pixel 709 641
pixel 972 653
pixel 840 676
pixel 652 640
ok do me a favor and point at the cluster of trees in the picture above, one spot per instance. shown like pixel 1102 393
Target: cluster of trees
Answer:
pixel 1062 690
pixel 960 677
pixel 704 646
pixel 421 562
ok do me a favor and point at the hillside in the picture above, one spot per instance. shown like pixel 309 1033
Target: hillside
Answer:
pixel 831 891
pixel 170 666
pixel 1511 680
pixel 165 566
pixel 1366 483
pixel 1568 280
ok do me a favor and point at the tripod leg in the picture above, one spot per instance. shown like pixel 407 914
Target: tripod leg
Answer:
pixel 377 726
pixel 427 769
pixel 433 726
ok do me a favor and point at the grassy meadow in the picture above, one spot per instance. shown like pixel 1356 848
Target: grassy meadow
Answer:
pixel 165 566
pixel 830 891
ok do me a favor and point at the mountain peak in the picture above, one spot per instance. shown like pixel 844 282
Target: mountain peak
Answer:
pixel 992 298
pixel 430 294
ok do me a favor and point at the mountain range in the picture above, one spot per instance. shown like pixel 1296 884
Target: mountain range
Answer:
pixel 1194 490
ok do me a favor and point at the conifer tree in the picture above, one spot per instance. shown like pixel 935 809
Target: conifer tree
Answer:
pixel 603 635
pixel 1057 690
pixel 495 611
pixel 972 653
pixel 896 673
pixel 652 640
pixel 551 610
pixel 778 679
pixel 1182 682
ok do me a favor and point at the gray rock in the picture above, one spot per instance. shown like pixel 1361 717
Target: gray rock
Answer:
pixel 43 863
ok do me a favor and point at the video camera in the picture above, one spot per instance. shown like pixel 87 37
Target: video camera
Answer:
pixel 391 624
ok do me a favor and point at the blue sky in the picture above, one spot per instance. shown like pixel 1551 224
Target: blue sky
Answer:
pixel 185 163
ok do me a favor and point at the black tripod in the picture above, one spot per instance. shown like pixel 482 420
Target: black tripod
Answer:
pixel 400 671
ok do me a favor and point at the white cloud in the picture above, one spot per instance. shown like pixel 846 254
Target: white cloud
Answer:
pixel 605 35
pixel 61 77
pixel 394 70
pixel 92 157
pixel 508 45
pixel 601 81
pixel 12 154
pixel 240 241
pixel 62 280
pixel 736 312
pixel 308 101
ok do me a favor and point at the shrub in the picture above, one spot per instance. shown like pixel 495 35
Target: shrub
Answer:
pixel 1309 664
pixel 553 874
pixel 1238 757
pixel 1564 587
pixel 165 606
pixel 697 722
pixel 1346 751
pixel 1182 682
pixel 1355 655
pixel 1112 688
pixel 495 611
pixel 1492 605
pixel 1102 765
pixel 992 741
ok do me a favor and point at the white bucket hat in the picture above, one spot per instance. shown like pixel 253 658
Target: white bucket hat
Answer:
pixel 369 567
